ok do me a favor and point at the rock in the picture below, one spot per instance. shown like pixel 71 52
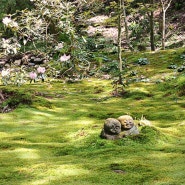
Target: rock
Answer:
pixel 24 60
pixel 17 62
pixel 31 64
pixel 2 62
pixel 7 65
pixel 38 60
pixel 44 61
pixel 32 58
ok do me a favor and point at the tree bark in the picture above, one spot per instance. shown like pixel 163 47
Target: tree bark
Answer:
pixel 165 5
pixel 119 36
pixel 163 29
pixel 126 26
pixel 152 40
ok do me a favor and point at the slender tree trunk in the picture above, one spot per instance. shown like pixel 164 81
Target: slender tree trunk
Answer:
pixel 126 25
pixel 150 13
pixel 152 40
pixel 163 29
pixel 119 37
pixel 165 5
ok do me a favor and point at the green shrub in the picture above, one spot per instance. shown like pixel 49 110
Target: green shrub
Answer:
pixel 142 61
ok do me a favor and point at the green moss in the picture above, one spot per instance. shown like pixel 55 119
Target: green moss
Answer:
pixel 148 135
pixel 181 85
pixel 16 97
pixel 111 22
pixel 55 140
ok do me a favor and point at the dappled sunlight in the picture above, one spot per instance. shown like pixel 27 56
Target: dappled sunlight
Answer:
pixel 26 153
pixel 5 135
pixel 56 172
pixel 175 131
pixel 82 122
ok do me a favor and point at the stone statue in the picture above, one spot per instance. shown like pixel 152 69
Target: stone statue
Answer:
pixel 119 128
pixel 111 130
pixel 126 121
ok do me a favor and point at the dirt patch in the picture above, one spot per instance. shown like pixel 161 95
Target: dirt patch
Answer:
pixel 96 27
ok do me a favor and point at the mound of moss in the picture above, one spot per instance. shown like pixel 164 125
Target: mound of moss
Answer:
pixel 11 99
pixel 148 135
pixel 181 85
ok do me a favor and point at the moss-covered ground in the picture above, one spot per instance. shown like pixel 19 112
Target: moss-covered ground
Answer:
pixel 55 140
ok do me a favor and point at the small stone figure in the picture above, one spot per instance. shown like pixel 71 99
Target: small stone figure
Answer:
pixel 126 121
pixel 127 126
pixel 119 128
pixel 111 130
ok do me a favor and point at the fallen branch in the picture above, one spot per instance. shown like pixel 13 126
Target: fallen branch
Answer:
pixel 4 109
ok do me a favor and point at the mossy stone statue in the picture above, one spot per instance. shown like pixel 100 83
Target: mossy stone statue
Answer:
pixel 119 128
pixel 126 121
pixel 111 130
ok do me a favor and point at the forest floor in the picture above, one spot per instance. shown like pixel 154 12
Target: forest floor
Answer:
pixel 54 138
pixel 105 26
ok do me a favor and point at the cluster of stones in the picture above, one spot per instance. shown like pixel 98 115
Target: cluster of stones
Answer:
pixel 119 128
pixel 29 59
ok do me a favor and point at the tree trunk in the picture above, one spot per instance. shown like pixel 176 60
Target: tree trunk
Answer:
pixel 163 29
pixel 165 7
pixel 126 26
pixel 152 40
pixel 119 36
